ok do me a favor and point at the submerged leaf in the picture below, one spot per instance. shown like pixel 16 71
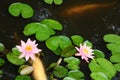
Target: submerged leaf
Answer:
pixel 2 61
pixel 19 77
pixel 2 47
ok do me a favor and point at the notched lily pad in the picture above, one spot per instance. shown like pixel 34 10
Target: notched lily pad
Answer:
pixel 78 75
pixel 99 76
pixel 41 31
pixel 18 8
pixel 77 39
pixel 114 47
pixel 104 66
pixel 60 71
pixel 13 57
pixel 115 58
pixel 112 38
pixel 53 24
pixel 58 2
pixel 98 54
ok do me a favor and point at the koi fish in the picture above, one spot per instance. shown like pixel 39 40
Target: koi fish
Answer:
pixel 81 9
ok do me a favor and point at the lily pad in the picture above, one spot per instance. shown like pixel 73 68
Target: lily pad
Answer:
pixel 13 57
pixel 65 42
pixel 58 2
pixel 69 78
pixel 53 43
pixel 42 31
pixel 72 60
pixel 60 71
pixel 115 58
pixel 114 47
pixel 104 66
pixel 77 39
pixel 98 54
pixel 76 74
pixel 18 8
pixel 112 38
pixel 2 47
pixel 68 51
pixel 99 76
pixel 117 67
pixel 19 77
pixel 53 24
pixel 48 1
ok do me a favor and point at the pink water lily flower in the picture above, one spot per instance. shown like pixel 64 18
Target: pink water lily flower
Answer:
pixel 28 49
pixel 85 52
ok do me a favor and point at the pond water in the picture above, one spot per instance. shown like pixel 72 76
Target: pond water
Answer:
pixel 92 24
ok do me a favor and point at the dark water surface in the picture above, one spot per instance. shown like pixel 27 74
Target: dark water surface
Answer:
pixel 91 24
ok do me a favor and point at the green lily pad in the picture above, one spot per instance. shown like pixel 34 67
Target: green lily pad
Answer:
pixel 104 66
pixel 69 78
pixel 77 39
pixel 60 71
pixel 21 77
pixel 114 47
pixel 15 9
pixel 68 51
pixel 48 1
pixel 53 43
pixel 18 8
pixel 117 67
pixel 58 2
pixel 27 11
pixel 2 47
pixel 115 58
pixel 112 38
pixel 72 60
pixel 65 42
pixel 42 31
pixel 2 61
pixel 98 54
pixel 99 76
pixel 88 43
pixel 13 57
pixel 53 24
pixel 76 74
pixel 73 66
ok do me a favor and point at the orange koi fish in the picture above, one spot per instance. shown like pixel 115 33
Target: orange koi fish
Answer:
pixel 81 9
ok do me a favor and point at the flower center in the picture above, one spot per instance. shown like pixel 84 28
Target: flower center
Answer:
pixel 28 48
pixel 85 51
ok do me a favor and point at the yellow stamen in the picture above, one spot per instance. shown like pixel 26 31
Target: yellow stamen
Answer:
pixel 86 51
pixel 28 48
